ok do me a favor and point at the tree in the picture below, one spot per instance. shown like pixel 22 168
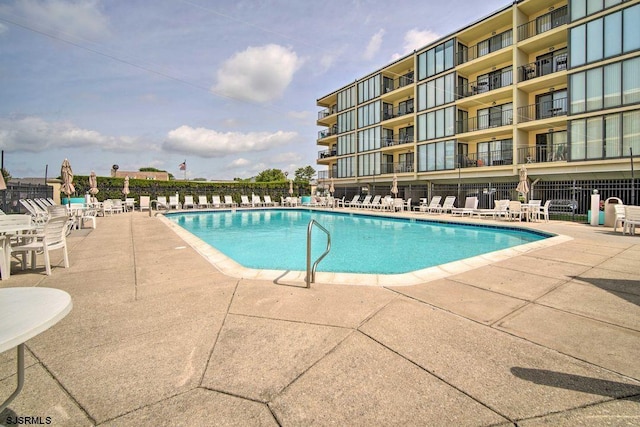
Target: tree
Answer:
pixel 6 175
pixel 271 175
pixel 305 174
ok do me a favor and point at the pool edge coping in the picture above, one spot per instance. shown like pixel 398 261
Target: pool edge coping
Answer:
pixel 231 268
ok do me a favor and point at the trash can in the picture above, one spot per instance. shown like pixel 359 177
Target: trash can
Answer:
pixel 610 211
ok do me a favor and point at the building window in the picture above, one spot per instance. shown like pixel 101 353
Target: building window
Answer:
pixel 346 144
pixel 346 121
pixel 613 85
pixel 346 98
pixel 436 124
pixel 436 92
pixel 498 152
pixel 369 164
pixel 582 8
pixel 369 89
pixel 588 41
pixel 369 139
pixel 605 137
pixel 436 60
pixel 436 156
pixel 346 167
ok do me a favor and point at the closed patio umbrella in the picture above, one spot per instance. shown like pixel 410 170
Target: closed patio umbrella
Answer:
pixel 523 185
pixel 3 185
pixel 125 188
pixel 291 188
pixel 394 185
pixel 67 179
pixel 332 189
pixel 93 184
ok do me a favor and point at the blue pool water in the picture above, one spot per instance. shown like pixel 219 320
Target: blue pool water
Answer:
pixel 276 239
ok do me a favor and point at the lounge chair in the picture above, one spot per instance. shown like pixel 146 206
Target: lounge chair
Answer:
pixel 174 202
pixel 188 202
pixel 162 203
pixel 228 201
pixel 447 205
pixel 215 202
pixel 244 202
pixel 352 203
pixel 433 206
pixel 202 202
pixel 501 209
pixel 470 205
pixel 375 203
pixel 145 203
pixel 268 201
pixel 255 200
pixel 366 201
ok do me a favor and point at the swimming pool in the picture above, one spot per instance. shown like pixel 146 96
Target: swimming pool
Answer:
pixel 275 239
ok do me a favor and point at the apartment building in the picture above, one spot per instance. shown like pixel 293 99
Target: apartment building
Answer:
pixel 536 83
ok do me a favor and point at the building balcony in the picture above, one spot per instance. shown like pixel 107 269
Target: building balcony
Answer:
pixel 484 85
pixel 392 113
pixel 543 154
pixel 487 158
pixel 396 167
pixel 325 133
pixel 487 121
pixel 396 140
pixel 542 67
pixel 326 154
pixel 543 110
pixel 544 23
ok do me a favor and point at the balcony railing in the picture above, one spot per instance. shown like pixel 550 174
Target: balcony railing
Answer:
pixel 393 84
pixel 543 23
pixel 543 154
pixel 402 110
pixel 399 167
pixel 326 153
pixel 327 112
pixel 493 44
pixel 328 174
pixel 543 110
pixel 327 132
pixel 542 67
pixel 397 140
pixel 486 121
pixel 487 158
pixel 486 84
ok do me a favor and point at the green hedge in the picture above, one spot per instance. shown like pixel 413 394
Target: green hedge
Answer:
pixel 111 188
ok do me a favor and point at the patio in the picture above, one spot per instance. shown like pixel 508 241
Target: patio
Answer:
pixel 158 336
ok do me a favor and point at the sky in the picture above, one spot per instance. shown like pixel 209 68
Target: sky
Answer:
pixel 229 87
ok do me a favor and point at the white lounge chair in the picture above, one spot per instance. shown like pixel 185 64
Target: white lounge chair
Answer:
pixel 162 203
pixel 255 200
pixel 188 202
pixel 620 214
pixel 228 201
pixel 447 205
pixel 244 201
pixel 174 202
pixel 470 205
pixel 500 209
pixel 352 203
pixel 375 203
pixel 215 202
pixel 631 219
pixel 53 237
pixel 268 201
pixel 365 202
pixel 145 203
pixel 202 202
pixel 433 205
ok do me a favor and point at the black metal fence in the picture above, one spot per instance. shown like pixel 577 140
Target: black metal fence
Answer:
pixel 571 200
pixel 9 198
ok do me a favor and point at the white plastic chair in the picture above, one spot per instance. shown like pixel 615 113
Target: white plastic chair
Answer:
pixel 52 237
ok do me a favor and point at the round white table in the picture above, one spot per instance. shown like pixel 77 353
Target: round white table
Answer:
pixel 25 313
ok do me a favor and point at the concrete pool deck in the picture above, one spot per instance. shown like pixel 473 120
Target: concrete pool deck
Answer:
pixel 159 336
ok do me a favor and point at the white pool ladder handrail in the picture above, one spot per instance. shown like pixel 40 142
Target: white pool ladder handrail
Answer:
pixel 311 271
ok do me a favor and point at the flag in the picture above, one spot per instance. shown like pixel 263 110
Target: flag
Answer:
pixel 183 166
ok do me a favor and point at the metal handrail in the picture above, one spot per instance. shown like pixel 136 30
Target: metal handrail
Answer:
pixel 311 271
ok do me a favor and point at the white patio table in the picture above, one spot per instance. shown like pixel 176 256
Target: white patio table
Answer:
pixel 25 313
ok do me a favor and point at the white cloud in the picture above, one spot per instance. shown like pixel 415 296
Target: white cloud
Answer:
pixel 239 163
pixel 374 45
pixel 3 28
pixel 415 39
pixel 288 157
pixel 79 18
pixel 33 134
pixel 210 143
pixel 304 116
pixel 259 74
